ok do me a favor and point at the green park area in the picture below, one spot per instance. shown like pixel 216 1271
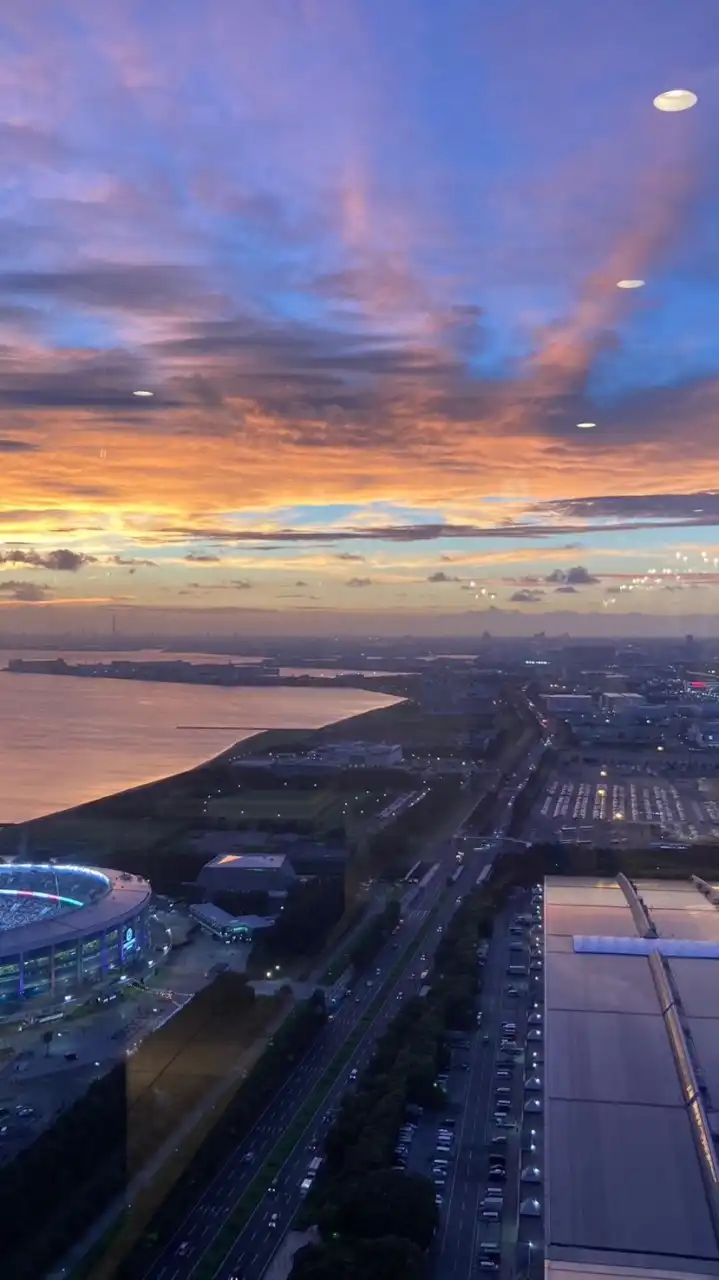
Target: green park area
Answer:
pixel 320 808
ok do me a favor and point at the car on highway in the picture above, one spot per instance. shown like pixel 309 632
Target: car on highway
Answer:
pixel 183 1249
pixel 274 1221
pixel 25 1113
pixel 353 1073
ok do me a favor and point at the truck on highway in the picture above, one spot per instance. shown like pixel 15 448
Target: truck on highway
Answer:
pixel 313 1169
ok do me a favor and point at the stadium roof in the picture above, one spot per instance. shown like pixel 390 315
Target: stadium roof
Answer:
pixel 624 1184
pixel 123 899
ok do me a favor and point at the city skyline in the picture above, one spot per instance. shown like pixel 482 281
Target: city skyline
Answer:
pixel 363 261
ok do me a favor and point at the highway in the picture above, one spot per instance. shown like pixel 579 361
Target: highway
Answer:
pixel 180 1256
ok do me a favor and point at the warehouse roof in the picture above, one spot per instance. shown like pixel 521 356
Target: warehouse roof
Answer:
pixel 623 1182
pixel 251 861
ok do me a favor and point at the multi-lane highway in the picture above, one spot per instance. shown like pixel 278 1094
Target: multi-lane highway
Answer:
pixel 180 1257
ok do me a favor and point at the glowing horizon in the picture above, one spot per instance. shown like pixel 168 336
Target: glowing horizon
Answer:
pixel 301 312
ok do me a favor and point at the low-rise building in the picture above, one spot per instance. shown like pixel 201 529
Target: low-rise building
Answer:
pixel 559 703
pixel 248 873
pixel 221 924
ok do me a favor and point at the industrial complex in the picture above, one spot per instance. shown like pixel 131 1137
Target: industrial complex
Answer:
pixel 631 1086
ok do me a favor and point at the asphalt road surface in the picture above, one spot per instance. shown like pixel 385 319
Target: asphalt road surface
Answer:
pixel 179 1256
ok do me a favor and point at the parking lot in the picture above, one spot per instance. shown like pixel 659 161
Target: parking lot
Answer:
pixel 42 1079
pixel 603 800
pixel 483 1151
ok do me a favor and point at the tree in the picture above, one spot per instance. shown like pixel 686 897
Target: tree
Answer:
pixel 386 1203
pixel 389 1258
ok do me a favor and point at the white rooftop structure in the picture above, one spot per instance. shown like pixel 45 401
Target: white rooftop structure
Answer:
pixel 631 1079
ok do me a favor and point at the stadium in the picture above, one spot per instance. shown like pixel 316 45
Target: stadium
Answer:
pixel 65 928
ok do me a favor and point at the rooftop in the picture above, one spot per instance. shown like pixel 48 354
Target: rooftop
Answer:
pixel 625 1185
pixel 251 861
pixel 126 895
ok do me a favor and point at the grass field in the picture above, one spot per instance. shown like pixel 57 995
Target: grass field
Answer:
pixel 319 807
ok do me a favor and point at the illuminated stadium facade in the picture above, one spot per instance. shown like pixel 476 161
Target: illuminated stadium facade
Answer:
pixel 65 928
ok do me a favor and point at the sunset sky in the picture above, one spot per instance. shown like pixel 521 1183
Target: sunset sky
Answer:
pixel 364 254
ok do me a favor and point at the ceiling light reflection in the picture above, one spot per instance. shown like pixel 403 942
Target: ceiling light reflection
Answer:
pixel 675 100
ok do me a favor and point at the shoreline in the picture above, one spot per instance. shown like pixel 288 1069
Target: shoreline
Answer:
pixel 261 738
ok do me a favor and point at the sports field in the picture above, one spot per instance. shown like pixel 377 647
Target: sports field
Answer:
pixel 318 807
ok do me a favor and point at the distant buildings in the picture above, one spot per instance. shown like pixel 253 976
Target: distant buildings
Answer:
pixel 333 755
pixel 622 703
pixel 459 688
pixel 558 704
pixel 704 735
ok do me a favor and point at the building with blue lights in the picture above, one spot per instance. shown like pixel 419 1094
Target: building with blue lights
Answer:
pixel 64 928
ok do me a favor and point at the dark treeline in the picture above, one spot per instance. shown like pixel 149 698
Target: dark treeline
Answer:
pixel 374 935
pixel 309 914
pixel 395 847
